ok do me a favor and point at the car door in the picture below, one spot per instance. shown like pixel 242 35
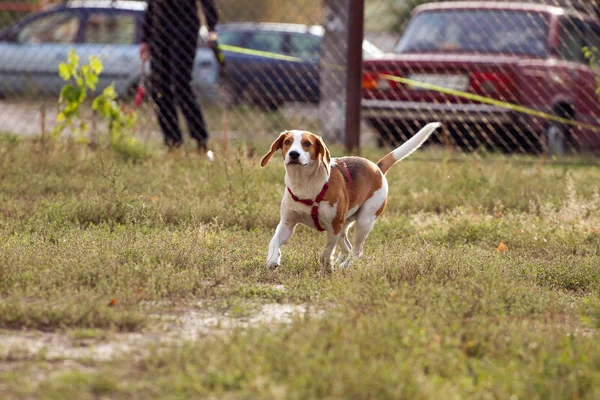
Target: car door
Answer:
pixel 111 34
pixel 591 91
pixel 270 72
pixel 261 74
pixel 303 76
pixel 237 73
pixel 205 74
pixel 579 84
pixel 592 73
pixel 36 49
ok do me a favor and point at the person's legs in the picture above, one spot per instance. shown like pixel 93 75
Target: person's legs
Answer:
pixel 162 90
pixel 183 54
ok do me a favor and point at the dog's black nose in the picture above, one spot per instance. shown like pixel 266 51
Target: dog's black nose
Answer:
pixel 294 155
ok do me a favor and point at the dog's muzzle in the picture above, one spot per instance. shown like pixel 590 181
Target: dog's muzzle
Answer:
pixel 294 158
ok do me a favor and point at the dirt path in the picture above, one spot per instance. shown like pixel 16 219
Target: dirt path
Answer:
pixel 193 323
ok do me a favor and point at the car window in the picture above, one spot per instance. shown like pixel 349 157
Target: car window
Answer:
pixel 593 36
pixel 304 45
pixel 108 28
pixel 572 40
pixel 487 31
pixel 58 27
pixel 271 42
pixel 232 38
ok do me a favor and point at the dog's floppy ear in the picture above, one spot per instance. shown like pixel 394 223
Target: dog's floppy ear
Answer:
pixel 323 153
pixel 276 145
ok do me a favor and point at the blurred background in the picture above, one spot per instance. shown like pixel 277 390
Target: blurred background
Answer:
pixel 511 77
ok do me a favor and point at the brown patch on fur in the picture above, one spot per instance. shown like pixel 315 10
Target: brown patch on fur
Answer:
pixel 317 149
pixel 311 140
pixel 279 144
pixel 386 163
pixel 366 180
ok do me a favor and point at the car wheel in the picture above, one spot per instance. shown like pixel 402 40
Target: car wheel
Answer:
pixel 385 133
pixel 556 138
pixel 273 105
pixel 557 134
pixel 262 98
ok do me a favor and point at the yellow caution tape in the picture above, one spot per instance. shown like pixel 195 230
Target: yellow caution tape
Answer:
pixel 265 54
pixel 441 89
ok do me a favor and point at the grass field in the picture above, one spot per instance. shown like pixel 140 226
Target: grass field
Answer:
pixel 98 253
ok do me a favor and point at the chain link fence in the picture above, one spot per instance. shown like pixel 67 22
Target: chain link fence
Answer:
pixel 506 77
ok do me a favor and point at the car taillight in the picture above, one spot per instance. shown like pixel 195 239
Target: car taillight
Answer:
pixel 369 82
pixel 496 85
pixel 374 81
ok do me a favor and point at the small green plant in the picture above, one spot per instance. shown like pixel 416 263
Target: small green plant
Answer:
pixel 74 94
pixel 72 97
pixel 593 56
pixel 120 125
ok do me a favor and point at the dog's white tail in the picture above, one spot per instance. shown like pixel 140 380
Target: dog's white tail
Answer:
pixel 408 147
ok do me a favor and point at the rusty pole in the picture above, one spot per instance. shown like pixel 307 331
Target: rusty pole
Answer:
pixel 354 76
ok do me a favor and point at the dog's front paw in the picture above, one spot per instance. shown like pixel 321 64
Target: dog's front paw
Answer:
pixel 273 260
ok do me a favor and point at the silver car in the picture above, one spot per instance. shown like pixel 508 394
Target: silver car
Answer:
pixel 32 49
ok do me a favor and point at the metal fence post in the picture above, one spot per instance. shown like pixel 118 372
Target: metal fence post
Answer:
pixel 341 71
pixel 354 75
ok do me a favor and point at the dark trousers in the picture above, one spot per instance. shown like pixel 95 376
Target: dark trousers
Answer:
pixel 172 60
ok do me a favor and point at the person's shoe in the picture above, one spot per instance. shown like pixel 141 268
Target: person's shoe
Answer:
pixel 203 150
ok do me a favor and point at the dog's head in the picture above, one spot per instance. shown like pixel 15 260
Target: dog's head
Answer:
pixel 300 149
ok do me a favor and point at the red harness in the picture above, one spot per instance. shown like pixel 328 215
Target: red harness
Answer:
pixel 315 203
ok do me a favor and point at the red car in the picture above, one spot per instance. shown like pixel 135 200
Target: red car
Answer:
pixel 528 55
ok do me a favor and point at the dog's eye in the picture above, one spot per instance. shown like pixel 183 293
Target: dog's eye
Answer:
pixel 307 144
pixel 287 142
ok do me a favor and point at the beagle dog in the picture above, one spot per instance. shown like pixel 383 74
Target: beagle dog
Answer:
pixel 331 194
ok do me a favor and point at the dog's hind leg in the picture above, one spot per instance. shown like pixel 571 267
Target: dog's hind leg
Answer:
pixel 365 219
pixel 346 246
pixel 364 224
pixel 282 234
